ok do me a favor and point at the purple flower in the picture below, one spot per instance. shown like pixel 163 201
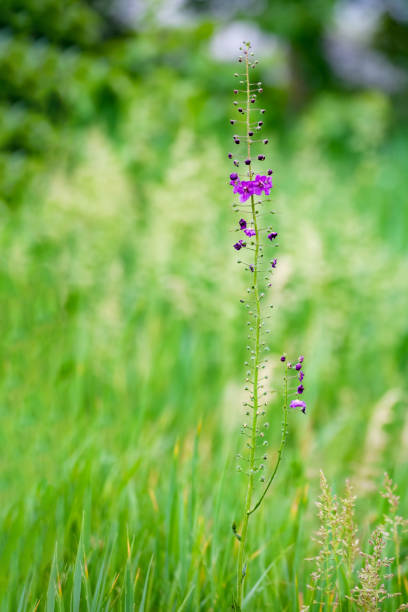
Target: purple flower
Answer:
pixel 301 376
pixel 238 245
pixel 272 235
pixel 298 404
pixel 229 155
pixel 270 172
pixel 248 162
pixel 261 157
pixel 242 224
pixel 300 389
pixel 262 183
pixel 301 359
pixel 283 358
pixel 245 190
pixel 274 262
pixel 298 366
pixel 250 232
pixel 233 177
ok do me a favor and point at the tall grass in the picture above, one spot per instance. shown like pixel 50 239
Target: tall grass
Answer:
pixel 121 358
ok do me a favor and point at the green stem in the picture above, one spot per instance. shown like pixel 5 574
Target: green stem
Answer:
pixel 282 444
pixel 248 501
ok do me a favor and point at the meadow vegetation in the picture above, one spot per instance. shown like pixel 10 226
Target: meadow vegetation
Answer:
pixel 122 357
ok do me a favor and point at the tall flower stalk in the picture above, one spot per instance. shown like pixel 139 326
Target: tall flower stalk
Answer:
pixel 251 187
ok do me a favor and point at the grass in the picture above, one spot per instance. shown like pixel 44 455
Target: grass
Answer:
pixel 121 370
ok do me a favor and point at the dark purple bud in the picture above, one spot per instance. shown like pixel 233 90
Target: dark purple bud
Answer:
pixel 233 176
pixel 229 155
pixel 238 245
pixel 247 162
pixel 265 141
pixel 272 235
pixel 300 389
pixel 260 90
pixel 240 59
pixel 260 123
pixel 236 140
pixel 235 91
pixel 301 375
pixel 274 262
pixel 298 366
pixel 270 172
pixel 301 359
pixel 252 268
pixel 232 121
pixel 240 110
pixel 283 358
pixel 250 133
pixel 261 157
pixel 262 110
pixel 252 100
pixel 236 163
pixel 242 224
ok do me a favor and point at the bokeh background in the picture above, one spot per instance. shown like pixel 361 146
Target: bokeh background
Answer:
pixel 123 340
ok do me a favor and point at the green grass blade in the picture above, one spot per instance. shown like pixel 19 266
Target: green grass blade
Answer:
pixel 51 591
pixel 145 587
pixel 77 579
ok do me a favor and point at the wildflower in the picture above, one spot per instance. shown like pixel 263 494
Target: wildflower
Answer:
pixel 298 404
pixel 272 235
pixel 248 162
pixel 238 245
pixel 233 177
pixel 262 183
pixel 301 359
pixel 250 232
pixel 242 224
pixel 298 366
pixel 283 358
pixel 261 157
pixel 301 376
pixel 274 262
pixel 265 141
pixel 300 389
pixel 245 190
pixel 270 172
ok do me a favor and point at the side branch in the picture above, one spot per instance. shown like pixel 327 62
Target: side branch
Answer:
pixel 281 447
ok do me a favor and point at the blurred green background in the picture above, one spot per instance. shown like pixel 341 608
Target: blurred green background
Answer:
pixel 123 339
